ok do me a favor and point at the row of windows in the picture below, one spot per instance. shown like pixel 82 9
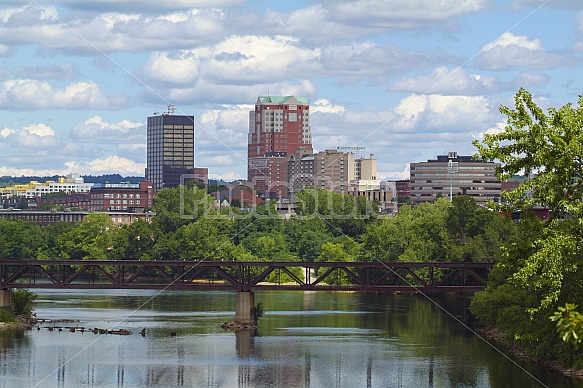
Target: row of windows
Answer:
pixel 124 202
pixel 178 126
pixel 461 167
pixel 118 195
pixel 169 136
pixel 455 188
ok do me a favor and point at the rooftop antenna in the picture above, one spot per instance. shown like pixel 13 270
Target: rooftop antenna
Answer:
pixel 171 109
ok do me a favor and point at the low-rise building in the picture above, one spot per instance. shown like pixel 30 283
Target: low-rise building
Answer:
pixel 454 175
pixel 79 201
pixel 70 184
pixel 331 170
pixel 45 218
pixel 127 197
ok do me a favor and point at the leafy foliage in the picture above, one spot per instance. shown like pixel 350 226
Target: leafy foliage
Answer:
pixel 5 316
pixel 549 145
pixel 569 323
pixel 542 270
pixel 22 300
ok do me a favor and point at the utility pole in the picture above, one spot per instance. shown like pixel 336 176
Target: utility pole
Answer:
pixel 452 168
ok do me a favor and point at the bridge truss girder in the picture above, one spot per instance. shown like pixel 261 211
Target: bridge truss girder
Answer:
pixel 245 276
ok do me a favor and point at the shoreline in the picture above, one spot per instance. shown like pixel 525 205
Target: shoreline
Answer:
pixel 12 325
pixel 493 334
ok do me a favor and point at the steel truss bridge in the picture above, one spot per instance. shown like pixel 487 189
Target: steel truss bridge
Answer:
pixel 460 277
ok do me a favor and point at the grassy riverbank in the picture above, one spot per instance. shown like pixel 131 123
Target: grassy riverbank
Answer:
pixel 495 335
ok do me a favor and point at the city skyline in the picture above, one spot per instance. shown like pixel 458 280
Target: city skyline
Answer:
pixel 408 80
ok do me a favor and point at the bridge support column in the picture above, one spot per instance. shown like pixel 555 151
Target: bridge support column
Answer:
pixel 245 308
pixel 6 299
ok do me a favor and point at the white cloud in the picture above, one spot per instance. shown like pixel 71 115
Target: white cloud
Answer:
pixel 108 31
pixel 300 23
pixel 115 163
pixel 27 171
pixel 325 106
pixel 150 5
pixel 32 94
pixel 5 50
pixel 496 129
pixel 360 61
pixel 228 176
pixel 418 128
pixel 40 130
pixel 518 4
pixel 450 113
pixel 392 173
pixel 509 39
pixel 511 51
pixel 31 137
pixel 204 92
pixel 241 67
pixel 402 13
pixel 237 59
pixel 25 14
pixel 5 132
pixel 528 79
pixel 218 161
pixel 142 148
pixel 57 72
pixel 96 130
pixel 176 68
pixel 446 82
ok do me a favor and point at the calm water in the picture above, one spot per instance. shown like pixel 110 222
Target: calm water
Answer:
pixel 305 339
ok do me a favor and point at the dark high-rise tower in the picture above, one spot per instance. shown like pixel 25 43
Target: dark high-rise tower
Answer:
pixel 170 149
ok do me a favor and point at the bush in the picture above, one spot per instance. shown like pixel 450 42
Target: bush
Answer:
pixel 5 316
pixel 22 301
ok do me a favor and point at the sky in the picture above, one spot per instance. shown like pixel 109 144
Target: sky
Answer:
pixel 406 79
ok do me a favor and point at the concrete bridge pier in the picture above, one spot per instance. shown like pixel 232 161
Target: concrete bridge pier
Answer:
pixel 245 308
pixel 6 299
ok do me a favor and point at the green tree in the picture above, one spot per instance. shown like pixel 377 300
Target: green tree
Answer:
pixel 175 207
pixel 547 145
pixel 309 244
pixel 138 239
pixel 92 239
pixel 20 240
pixel 548 148
pixel 569 323
pixel 22 300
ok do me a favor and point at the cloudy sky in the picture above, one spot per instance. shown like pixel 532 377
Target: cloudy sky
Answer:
pixel 407 79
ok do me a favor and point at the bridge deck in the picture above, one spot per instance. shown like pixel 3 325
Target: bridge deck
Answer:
pixel 245 276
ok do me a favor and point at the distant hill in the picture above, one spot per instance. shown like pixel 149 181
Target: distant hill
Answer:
pixel 108 178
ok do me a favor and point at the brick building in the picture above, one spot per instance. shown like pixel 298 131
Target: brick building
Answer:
pixel 128 197
pixel 277 127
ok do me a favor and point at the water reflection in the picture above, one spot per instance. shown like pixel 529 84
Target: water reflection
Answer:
pixel 304 339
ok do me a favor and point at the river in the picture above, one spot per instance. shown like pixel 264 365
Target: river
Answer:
pixel 305 339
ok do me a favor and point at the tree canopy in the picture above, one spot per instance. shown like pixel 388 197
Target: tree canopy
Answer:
pixel 543 271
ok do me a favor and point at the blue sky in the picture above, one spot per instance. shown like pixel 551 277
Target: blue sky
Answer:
pixel 407 79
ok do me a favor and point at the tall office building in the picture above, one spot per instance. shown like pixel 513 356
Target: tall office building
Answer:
pixel 170 149
pixel 277 127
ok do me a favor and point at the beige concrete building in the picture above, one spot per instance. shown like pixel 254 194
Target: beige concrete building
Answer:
pixel 329 170
pixel 458 175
